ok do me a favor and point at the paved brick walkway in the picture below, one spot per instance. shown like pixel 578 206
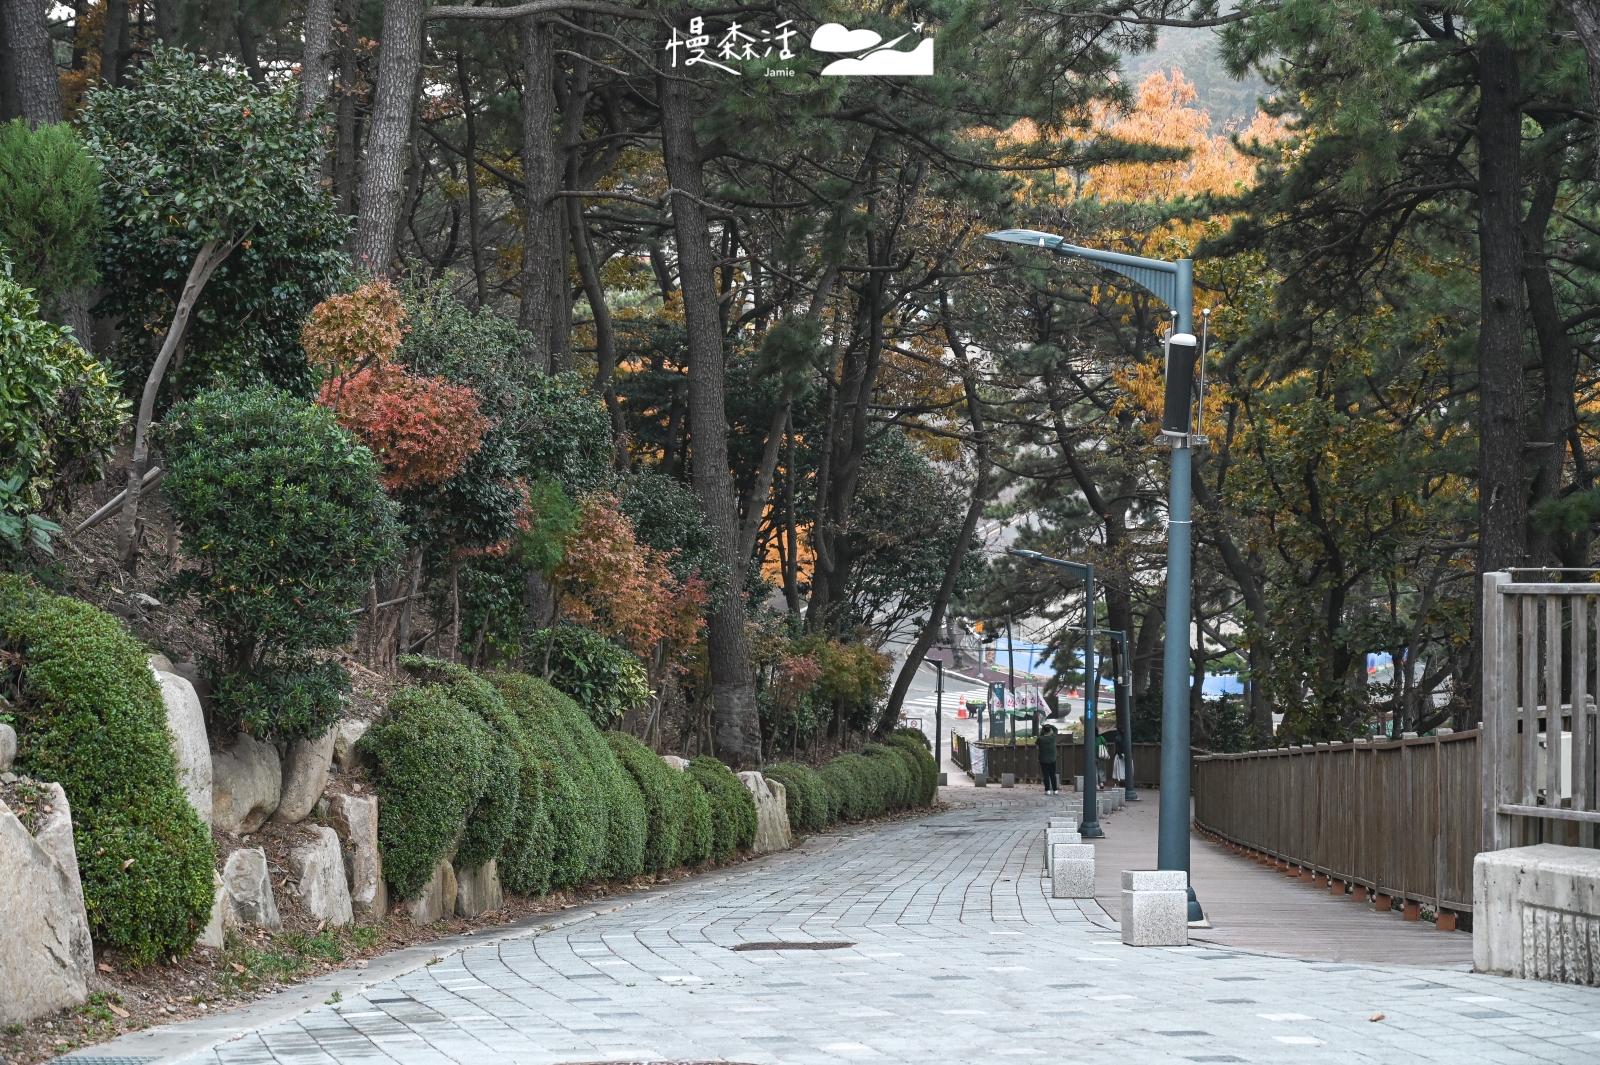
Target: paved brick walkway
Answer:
pixel 959 955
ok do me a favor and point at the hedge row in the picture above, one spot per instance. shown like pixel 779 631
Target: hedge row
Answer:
pixel 472 768
pixel 89 714
pixel 894 775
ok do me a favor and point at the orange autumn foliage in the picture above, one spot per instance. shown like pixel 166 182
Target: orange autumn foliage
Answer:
pixel 621 588
pixel 357 329
pixel 423 429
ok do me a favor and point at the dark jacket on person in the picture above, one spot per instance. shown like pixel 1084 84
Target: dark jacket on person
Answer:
pixel 1047 748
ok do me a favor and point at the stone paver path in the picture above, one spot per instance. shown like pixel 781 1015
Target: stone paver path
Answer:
pixel 958 955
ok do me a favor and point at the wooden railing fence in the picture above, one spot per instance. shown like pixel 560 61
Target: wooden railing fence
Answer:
pixel 1540 650
pixel 1398 818
pixel 1023 760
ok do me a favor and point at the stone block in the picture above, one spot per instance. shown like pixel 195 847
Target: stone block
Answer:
pixel 772 812
pixel 46 955
pixel 1536 913
pixel 1155 908
pixel 346 734
pixel 318 869
pixel 355 818
pixel 186 723
pixel 246 783
pixel 249 884
pixel 478 890
pixel 1008 780
pixel 305 774
pixel 1068 823
pixel 8 747
pixel 438 900
pixel 1054 837
pixel 215 933
pixel 944 780
pixel 1072 871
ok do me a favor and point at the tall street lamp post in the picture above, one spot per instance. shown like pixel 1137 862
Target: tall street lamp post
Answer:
pixel 1173 284
pixel 1089 826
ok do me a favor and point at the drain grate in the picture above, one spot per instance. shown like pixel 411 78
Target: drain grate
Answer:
pixel 794 946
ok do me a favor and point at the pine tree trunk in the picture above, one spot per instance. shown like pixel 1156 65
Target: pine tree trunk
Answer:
pixel 736 725
pixel 382 178
pixel 1559 416
pixel 165 21
pixel 33 66
pixel 316 65
pixel 10 106
pixel 344 162
pixel 1585 16
pixel 537 310
pixel 112 48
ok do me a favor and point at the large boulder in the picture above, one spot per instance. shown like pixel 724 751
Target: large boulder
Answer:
pixel 8 747
pixel 187 725
pixel 355 818
pixel 45 951
pixel 772 813
pixel 305 774
pixel 246 783
pixel 318 869
pixel 478 890
pixel 438 900
pixel 249 885
pixel 346 734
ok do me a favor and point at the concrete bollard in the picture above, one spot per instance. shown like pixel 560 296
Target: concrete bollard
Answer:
pixel 1155 907
pixel 1072 871
pixel 1055 837
pixel 1008 780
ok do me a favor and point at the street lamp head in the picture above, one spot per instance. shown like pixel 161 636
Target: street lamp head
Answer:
pixel 1031 237
pixel 1023 554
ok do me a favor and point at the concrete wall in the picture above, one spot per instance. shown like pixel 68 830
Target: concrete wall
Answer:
pixel 1536 913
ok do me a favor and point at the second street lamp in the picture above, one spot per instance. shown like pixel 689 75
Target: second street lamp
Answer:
pixel 1173 284
pixel 1089 820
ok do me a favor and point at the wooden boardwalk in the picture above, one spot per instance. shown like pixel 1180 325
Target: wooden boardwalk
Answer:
pixel 1258 908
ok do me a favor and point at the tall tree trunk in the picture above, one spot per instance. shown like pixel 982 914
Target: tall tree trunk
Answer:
pixel 316 64
pixel 33 64
pixel 735 721
pixel 969 526
pixel 165 21
pixel 480 276
pixel 382 176
pixel 113 46
pixel 1559 414
pixel 10 106
pixel 537 310
pixel 1585 16
pixel 344 163
pixel 1502 482
pixel 245 30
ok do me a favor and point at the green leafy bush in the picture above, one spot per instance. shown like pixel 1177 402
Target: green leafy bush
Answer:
pixel 806 796
pixel 606 680
pixel 698 838
pixel 192 150
pixel 895 776
pixel 494 820
pixel 915 743
pixel 431 758
pixel 50 216
pixel 597 814
pixel 60 412
pixel 663 799
pixel 89 715
pixel 283 509
pixel 844 795
pixel 733 808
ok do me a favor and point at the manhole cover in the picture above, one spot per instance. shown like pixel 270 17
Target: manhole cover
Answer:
pixel 792 946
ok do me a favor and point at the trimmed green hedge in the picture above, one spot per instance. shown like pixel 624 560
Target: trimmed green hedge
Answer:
pixel 805 795
pixel 733 808
pixel 663 799
pixel 90 716
pixel 431 764
pixel 698 838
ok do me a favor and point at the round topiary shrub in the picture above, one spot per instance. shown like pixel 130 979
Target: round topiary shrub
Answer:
pixel 89 714
pixel 698 838
pixel 912 743
pixel 431 761
pixel 663 798
pixel 896 777
pixel 733 808
pixel 806 798
pixel 287 519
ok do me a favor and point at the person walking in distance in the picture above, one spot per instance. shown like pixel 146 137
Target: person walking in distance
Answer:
pixel 1047 760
